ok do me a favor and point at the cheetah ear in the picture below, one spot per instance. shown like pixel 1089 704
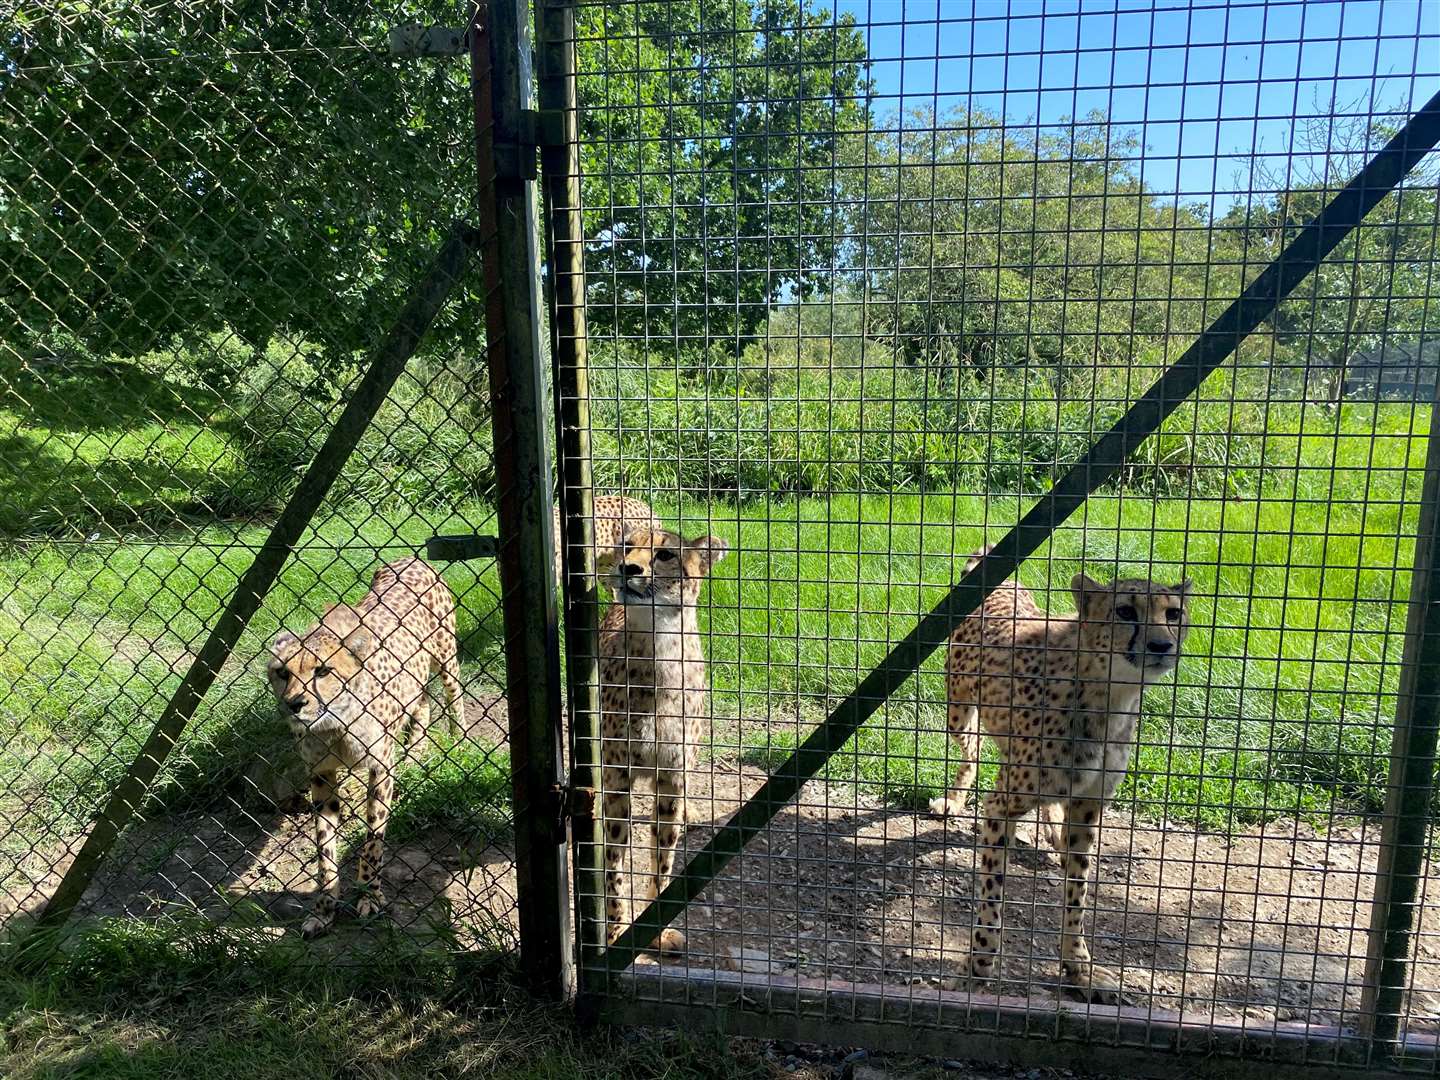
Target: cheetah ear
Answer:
pixel 1084 589
pixel 284 642
pixel 342 621
pixel 360 643
pixel 702 553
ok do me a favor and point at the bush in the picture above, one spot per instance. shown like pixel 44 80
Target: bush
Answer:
pixel 803 426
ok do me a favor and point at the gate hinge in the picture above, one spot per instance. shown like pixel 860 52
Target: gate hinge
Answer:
pixel 575 801
pixel 538 127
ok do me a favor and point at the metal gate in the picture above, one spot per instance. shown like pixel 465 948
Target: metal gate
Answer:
pixel 857 347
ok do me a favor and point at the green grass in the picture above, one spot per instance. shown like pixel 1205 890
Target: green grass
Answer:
pixel 132 999
pixel 1282 705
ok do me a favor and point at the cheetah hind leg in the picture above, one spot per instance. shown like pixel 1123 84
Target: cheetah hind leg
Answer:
pixel 1050 824
pixel 454 695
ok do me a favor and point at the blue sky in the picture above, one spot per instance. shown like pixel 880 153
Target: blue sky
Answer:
pixel 1203 83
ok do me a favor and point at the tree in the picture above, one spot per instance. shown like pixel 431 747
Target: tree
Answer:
pixel 710 135
pixel 1375 285
pixel 174 169
pixel 985 245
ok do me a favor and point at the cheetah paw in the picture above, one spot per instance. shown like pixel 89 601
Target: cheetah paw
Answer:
pixel 978 966
pixel 316 924
pixel 944 806
pixel 669 942
pixel 1097 985
pixel 371 904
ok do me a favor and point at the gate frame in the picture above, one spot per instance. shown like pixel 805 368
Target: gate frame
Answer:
pixel 601 968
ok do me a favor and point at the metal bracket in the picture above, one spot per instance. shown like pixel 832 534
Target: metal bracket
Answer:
pixel 538 127
pixel 579 801
pixel 461 548
pixel 411 41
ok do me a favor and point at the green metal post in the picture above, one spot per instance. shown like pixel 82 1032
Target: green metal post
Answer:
pixel 1405 829
pixel 505 155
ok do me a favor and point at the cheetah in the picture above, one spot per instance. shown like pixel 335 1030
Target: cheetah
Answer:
pixel 653 699
pixel 1060 699
pixel 346 686
pixel 614 517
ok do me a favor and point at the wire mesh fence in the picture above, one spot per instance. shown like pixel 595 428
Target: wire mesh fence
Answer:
pixel 863 281
pixel 856 285
pixel 212 213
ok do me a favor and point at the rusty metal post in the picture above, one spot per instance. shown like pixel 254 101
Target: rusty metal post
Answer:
pixel 505 144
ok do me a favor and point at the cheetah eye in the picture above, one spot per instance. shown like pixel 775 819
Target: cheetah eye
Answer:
pixel 664 555
pixel 1127 613
pixel 1172 614
pixel 322 671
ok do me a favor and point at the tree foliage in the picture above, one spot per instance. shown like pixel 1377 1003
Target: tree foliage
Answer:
pixel 710 138
pixel 178 168
pixel 986 245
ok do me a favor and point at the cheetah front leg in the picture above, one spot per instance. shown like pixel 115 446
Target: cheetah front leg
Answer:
pixel 325 800
pixel 615 812
pixel 964 726
pixel 1089 979
pixel 372 853
pixel 997 834
pixel 669 821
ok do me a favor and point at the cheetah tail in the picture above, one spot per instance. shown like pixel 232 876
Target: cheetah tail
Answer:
pixel 974 560
pixel 454 692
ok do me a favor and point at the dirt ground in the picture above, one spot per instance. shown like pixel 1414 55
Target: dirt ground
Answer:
pixel 1266 925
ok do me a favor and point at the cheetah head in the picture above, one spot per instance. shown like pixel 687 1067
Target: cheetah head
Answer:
pixel 1140 624
pixel 655 566
pixel 320 678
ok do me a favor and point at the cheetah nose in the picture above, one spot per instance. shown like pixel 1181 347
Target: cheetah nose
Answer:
pixel 631 570
pixel 1160 647
pixel 295 702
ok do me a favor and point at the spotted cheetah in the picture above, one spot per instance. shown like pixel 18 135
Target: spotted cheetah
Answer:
pixel 614 517
pixel 1060 698
pixel 346 687
pixel 653 698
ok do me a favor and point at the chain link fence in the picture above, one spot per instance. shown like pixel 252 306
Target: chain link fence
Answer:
pixel 211 214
